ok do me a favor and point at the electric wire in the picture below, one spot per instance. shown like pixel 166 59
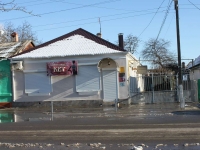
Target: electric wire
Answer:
pixel 147 10
pixel 96 21
pixel 39 15
pixel 169 24
pixel 95 18
pixel 83 6
pixel 30 1
pixel 194 5
pixel 151 19
pixel 166 14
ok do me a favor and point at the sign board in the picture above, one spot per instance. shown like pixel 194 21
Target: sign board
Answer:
pixel 121 69
pixel 121 76
pixel 62 68
pixel 185 77
pixel 141 69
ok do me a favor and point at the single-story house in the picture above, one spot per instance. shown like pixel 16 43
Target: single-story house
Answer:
pixel 8 49
pixel 195 73
pixel 78 66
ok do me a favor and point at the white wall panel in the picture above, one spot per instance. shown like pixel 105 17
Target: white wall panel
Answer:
pixel 37 83
pixel 87 79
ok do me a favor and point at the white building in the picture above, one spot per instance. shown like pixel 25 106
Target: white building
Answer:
pixel 103 70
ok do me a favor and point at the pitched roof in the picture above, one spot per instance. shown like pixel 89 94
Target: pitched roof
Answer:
pixel 78 42
pixel 9 49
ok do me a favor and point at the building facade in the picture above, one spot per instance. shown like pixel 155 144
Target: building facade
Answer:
pixel 8 49
pixel 78 66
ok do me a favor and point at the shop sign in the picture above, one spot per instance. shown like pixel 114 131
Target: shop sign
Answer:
pixel 62 68
pixel 185 77
pixel 121 77
pixel 141 69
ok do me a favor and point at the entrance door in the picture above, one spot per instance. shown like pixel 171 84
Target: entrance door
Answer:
pixel 109 85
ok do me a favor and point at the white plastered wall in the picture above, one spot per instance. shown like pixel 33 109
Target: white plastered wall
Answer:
pixel 132 64
pixel 63 86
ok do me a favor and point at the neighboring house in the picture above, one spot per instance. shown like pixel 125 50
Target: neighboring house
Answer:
pixel 9 49
pixel 195 73
pixel 76 66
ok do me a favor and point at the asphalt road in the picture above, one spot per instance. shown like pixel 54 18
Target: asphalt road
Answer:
pixel 147 125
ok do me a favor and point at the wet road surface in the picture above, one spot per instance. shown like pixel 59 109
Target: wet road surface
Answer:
pixel 103 128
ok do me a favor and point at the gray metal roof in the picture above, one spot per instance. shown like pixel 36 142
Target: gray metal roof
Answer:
pixel 71 46
pixel 78 42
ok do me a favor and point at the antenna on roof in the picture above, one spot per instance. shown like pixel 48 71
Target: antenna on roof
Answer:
pixel 100 24
pixel 99 34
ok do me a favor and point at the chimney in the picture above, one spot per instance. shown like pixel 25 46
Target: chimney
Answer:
pixel 183 65
pixel 14 37
pixel 121 40
pixel 99 35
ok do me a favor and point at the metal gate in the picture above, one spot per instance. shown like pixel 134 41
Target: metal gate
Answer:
pixel 154 88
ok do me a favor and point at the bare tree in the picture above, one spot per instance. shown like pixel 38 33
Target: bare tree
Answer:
pixel 131 43
pixel 11 5
pixel 158 53
pixel 24 31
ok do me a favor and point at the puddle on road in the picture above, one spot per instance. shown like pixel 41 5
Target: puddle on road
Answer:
pixel 112 113
pixel 11 116
pixel 187 112
pixel 6 117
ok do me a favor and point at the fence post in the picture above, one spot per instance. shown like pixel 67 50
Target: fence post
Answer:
pixel 51 110
pixel 177 89
pixel 152 86
pixel 182 100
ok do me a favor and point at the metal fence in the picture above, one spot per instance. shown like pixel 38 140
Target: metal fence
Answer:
pixel 156 88
pixel 153 82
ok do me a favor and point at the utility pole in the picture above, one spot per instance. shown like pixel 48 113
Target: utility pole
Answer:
pixel 179 56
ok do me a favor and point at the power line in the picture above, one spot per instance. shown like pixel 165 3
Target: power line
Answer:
pixel 169 24
pixel 70 9
pixel 99 3
pixel 84 19
pixel 193 4
pixel 70 3
pixel 30 1
pixel 151 19
pixel 83 6
pixel 166 14
pixel 96 21
pixel 93 18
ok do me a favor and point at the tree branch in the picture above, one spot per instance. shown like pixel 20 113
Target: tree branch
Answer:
pixel 10 6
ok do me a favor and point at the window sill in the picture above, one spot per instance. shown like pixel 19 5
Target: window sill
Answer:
pixel 38 94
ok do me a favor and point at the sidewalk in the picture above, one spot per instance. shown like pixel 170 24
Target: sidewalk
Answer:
pixel 159 107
